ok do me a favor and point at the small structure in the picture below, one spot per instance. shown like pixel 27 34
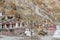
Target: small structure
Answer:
pixel 27 32
pixel 57 32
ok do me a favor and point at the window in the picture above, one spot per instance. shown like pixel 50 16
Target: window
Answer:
pixel 10 17
pixel 22 24
pixel 8 25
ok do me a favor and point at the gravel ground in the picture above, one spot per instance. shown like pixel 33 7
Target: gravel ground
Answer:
pixel 7 38
pixel 2 37
pixel 46 38
pixel 18 38
pixel 22 37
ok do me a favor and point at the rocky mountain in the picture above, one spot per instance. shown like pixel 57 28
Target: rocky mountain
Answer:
pixel 45 9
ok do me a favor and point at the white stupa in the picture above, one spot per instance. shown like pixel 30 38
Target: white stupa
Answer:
pixel 57 32
pixel 27 32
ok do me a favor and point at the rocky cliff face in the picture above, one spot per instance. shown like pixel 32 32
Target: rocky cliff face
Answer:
pixel 48 9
